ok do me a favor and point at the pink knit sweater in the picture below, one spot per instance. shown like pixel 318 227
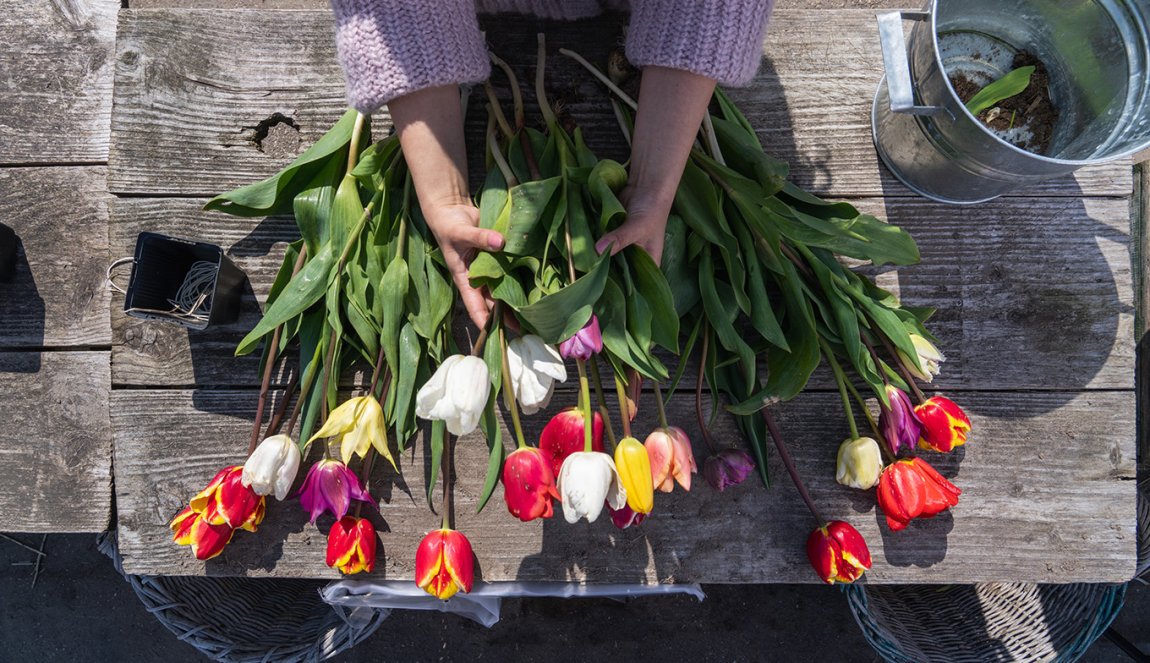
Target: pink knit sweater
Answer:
pixel 389 48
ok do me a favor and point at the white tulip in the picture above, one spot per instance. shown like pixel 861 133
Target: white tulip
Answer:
pixel 925 364
pixel 272 467
pixel 534 369
pixel 586 480
pixel 456 394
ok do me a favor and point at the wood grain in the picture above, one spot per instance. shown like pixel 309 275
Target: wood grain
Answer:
pixel 58 297
pixel 193 87
pixel 56 91
pixel 1032 294
pixel 56 444
pixel 1047 498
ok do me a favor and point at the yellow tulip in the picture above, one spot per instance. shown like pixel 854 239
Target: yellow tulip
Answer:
pixel 357 425
pixel 635 473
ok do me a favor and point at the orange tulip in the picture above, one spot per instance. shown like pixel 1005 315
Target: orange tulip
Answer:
pixel 444 563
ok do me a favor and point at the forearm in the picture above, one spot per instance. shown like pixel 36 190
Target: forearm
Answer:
pixel 430 128
pixel 671 107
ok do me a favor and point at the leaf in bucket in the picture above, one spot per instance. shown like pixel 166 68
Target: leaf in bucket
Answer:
pixel 304 290
pixel 1004 88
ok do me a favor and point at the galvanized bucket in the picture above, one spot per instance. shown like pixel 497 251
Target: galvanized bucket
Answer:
pixel 1096 53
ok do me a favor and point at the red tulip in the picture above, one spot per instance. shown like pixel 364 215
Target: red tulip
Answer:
pixel 838 552
pixel 911 488
pixel 207 540
pixel 529 484
pixel 563 436
pixel 227 501
pixel 444 563
pixel 944 424
pixel 351 545
pixel 625 517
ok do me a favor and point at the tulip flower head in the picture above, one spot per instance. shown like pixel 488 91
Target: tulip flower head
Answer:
pixel 634 469
pixel 529 484
pixel 625 517
pixel 671 458
pixel 925 364
pixel 586 342
pixel 357 425
pixel 911 488
pixel 456 394
pixel 859 463
pixel 944 424
pixel 563 436
pixel 534 369
pixel 330 486
pixel 227 501
pixel 207 540
pixel 838 552
pixel 272 467
pixel 444 563
pixel 351 545
pixel 899 424
pixel 587 480
pixel 729 467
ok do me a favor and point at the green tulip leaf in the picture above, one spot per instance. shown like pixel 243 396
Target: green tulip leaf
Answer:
pixel 305 289
pixel 1011 84
pixel 557 316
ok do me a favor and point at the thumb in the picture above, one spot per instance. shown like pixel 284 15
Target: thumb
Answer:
pixel 480 238
pixel 617 239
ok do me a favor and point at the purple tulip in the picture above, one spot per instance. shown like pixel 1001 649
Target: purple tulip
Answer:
pixel 330 486
pixel 586 342
pixel 729 467
pixel 899 424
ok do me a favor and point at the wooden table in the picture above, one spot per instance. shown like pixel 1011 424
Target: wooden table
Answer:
pixel 1036 313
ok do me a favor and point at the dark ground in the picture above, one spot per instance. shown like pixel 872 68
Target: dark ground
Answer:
pixel 81 610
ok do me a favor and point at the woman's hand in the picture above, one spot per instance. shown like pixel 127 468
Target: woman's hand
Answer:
pixel 671 107
pixel 430 127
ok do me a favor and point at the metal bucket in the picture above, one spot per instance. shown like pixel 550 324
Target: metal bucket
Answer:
pixel 1096 53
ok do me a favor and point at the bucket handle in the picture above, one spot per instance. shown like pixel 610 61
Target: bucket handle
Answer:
pixel 895 60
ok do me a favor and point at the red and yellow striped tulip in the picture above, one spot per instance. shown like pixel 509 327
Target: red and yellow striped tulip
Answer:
pixel 351 545
pixel 227 501
pixel 838 552
pixel 944 424
pixel 207 540
pixel 444 563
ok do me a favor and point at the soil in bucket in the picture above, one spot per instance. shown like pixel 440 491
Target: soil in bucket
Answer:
pixel 1025 120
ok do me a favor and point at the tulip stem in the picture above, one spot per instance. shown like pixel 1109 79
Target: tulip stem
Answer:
pixel 481 340
pixel 659 405
pixel 353 145
pixel 509 392
pixel 585 402
pixel 879 365
pixel 310 371
pixel 376 371
pixel 841 380
pixel 448 507
pixel 789 463
pixel 540 70
pixel 623 96
pixel 603 411
pixel 624 407
pixel 902 369
pixel 699 392
pixel 365 476
pixel 513 82
pixel 866 411
pixel 497 110
pixel 277 419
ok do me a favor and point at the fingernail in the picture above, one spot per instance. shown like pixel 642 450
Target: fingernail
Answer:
pixel 495 241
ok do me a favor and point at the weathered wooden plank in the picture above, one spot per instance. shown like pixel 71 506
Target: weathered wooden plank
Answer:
pixel 1047 498
pixel 56 91
pixel 56 444
pixel 1032 293
pixel 195 88
pixel 58 296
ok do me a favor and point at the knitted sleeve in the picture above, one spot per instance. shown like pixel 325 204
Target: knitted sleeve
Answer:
pixel 389 48
pixel 721 39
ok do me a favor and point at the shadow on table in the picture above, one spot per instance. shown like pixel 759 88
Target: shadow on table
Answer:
pixel 21 307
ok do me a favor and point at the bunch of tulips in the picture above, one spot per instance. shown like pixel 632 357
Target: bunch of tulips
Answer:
pixel 366 284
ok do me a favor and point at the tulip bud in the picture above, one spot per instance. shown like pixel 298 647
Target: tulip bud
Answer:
pixel 330 486
pixel 207 540
pixel 534 368
pixel 899 424
pixel 272 466
pixel 357 425
pixel 635 473
pixel 925 364
pixel 227 501
pixel 838 552
pixel 729 467
pixel 351 545
pixel 528 484
pixel 444 563
pixel 944 424
pixel 859 463
pixel 563 436
pixel 456 394
pixel 585 343
pixel 671 458
pixel 587 480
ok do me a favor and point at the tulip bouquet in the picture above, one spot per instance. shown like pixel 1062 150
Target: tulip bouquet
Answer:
pixel 753 277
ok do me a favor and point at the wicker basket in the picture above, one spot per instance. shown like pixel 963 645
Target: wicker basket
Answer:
pixel 1143 572
pixel 987 622
pixel 248 619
